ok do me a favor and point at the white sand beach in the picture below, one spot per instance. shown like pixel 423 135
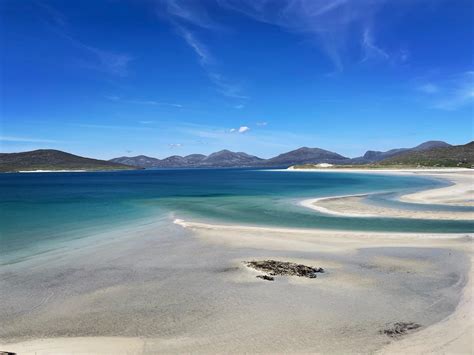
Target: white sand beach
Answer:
pixel 183 287
pixel 460 193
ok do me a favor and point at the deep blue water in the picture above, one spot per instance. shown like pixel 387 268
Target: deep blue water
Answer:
pixel 38 209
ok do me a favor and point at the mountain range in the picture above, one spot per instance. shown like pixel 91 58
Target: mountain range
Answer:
pixel 432 153
pixel 304 155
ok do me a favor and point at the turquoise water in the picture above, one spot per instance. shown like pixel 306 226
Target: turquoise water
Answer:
pixel 38 210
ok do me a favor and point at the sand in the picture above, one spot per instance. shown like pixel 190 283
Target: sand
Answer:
pixel 460 193
pixel 183 287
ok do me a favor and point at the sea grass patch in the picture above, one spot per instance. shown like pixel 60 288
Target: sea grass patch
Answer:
pixel 400 328
pixel 283 268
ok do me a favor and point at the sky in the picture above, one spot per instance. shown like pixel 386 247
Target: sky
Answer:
pixel 108 78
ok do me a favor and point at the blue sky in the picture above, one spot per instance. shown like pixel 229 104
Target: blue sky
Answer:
pixel 112 78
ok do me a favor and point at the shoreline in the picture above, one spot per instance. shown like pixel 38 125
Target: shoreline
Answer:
pixel 50 171
pixel 459 193
pixel 450 334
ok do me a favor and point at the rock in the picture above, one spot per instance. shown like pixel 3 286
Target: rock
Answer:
pixel 266 277
pixel 400 328
pixel 275 267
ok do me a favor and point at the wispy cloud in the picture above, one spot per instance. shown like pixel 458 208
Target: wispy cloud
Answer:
pixel 111 62
pixel 143 102
pixel 429 88
pixel 96 58
pixel 332 24
pixel 26 139
pixel 371 50
pixel 108 126
pixel 190 12
pixel 262 123
pixel 185 14
pixel 154 103
pixel 450 93
pixel 201 51
pixel 225 87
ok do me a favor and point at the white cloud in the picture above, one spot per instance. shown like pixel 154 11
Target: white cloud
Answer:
pixel 262 124
pixel 239 107
pixel 175 145
pixel 241 129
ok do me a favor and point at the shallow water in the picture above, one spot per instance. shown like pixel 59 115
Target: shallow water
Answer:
pixel 40 210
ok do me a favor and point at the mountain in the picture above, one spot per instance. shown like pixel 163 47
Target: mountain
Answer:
pixel 450 156
pixel 221 159
pixel 50 159
pixel 372 156
pixel 141 161
pixel 226 158
pixel 431 145
pixel 194 159
pixel 305 155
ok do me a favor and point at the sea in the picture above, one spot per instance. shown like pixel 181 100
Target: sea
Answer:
pixel 43 211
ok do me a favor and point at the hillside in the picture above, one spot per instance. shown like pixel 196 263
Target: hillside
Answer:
pixel 372 156
pixel 452 156
pixel 49 159
pixel 301 156
pixel 226 158
pixel 139 161
pixel 223 158
pixel 305 155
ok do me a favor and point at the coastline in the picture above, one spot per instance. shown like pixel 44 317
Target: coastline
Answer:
pixel 50 171
pixel 459 193
pixel 334 250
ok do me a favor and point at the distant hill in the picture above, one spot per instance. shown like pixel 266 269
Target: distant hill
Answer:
pixel 226 158
pixel 305 155
pixel 301 156
pixel 223 158
pixel 140 161
pixel 372 156
pixel 49 159
pixel 431 153
pixel 451 156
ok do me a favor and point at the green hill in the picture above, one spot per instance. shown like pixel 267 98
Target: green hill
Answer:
pixel 49 159
pixel 453 156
